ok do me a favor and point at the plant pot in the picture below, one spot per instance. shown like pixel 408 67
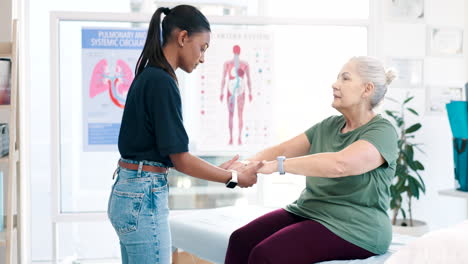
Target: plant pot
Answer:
pixel 419 228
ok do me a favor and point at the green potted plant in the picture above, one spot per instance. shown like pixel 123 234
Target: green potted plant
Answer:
pixel 408 183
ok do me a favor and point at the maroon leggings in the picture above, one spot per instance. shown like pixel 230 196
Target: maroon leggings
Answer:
pixel 280 237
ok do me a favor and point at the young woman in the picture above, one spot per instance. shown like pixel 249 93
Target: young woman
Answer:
pixel 349 161
pixel 153 138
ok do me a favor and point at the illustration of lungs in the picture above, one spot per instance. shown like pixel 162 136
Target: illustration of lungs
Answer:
pixel 125 78
pixel 99 83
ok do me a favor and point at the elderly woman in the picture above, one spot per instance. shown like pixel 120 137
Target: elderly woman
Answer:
pixel 349 161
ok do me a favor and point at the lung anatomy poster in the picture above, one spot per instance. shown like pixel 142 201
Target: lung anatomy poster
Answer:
pixel 109 57
pixel 235 93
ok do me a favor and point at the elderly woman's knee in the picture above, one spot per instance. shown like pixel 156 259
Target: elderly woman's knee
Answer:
pixel 238 236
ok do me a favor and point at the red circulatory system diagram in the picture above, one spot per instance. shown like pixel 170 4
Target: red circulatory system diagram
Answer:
pixel 237 74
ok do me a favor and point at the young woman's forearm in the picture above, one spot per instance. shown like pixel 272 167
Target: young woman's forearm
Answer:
pixel 196 167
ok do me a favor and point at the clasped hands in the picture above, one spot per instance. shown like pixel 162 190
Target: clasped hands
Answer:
pixel 247 170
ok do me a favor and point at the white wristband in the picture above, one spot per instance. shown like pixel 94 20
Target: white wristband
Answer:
pixel 280 160
pixel 234 176
pixel 233 181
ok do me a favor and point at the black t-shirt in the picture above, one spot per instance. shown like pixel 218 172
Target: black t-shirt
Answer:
pixel 152 125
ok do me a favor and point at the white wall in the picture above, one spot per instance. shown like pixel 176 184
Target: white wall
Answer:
pixel 408 39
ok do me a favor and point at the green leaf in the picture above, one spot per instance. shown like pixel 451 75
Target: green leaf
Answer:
pixel 400 122
pixel 400 184
pixel 400 143
pixel 419 165
pixel 413 128
pixel 412 165
pixel 421 182
pixel 403 213
pixel 414 186
pixel 418 182
pixel 390 113
pixel 406 175
pixel 399 169
pixel 412 111
pixel 408 99
pixel 409 152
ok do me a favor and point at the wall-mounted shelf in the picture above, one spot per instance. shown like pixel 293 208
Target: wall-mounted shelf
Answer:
pixel 6 107
pixel 5 49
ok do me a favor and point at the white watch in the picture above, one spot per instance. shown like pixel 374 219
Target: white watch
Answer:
pixel 280 160
pixel 233 181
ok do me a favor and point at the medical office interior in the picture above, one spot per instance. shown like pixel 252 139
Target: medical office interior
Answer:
pixel 58 119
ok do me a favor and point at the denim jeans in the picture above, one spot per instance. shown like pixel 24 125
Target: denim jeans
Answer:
pixel 138 210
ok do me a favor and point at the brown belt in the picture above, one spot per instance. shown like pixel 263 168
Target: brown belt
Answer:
pixel 149 168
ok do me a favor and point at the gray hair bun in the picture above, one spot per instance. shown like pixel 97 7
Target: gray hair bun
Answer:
pixel 390 75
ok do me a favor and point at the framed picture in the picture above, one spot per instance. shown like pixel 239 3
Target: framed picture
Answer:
pixel 445 41
pixel 438 97
pixel 407 10
pixel 409 72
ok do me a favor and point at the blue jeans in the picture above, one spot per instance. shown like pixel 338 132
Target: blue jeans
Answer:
pixel 138 210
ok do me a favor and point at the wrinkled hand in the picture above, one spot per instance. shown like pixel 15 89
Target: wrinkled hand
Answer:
pixel 247 174
pixel 226 165
pixel 268 167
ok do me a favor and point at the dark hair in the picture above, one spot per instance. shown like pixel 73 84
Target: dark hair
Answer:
pixel 184 17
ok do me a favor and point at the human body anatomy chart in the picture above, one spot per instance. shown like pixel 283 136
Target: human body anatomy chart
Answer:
pixel 235 92
pixel 108 59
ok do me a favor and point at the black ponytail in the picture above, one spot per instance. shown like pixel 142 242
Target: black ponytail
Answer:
pixel 184 17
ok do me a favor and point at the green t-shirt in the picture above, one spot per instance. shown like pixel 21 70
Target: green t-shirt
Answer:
pixel 352 207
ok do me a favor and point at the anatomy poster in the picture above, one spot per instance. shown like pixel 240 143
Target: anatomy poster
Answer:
pixel 235 92
pixel 109 57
